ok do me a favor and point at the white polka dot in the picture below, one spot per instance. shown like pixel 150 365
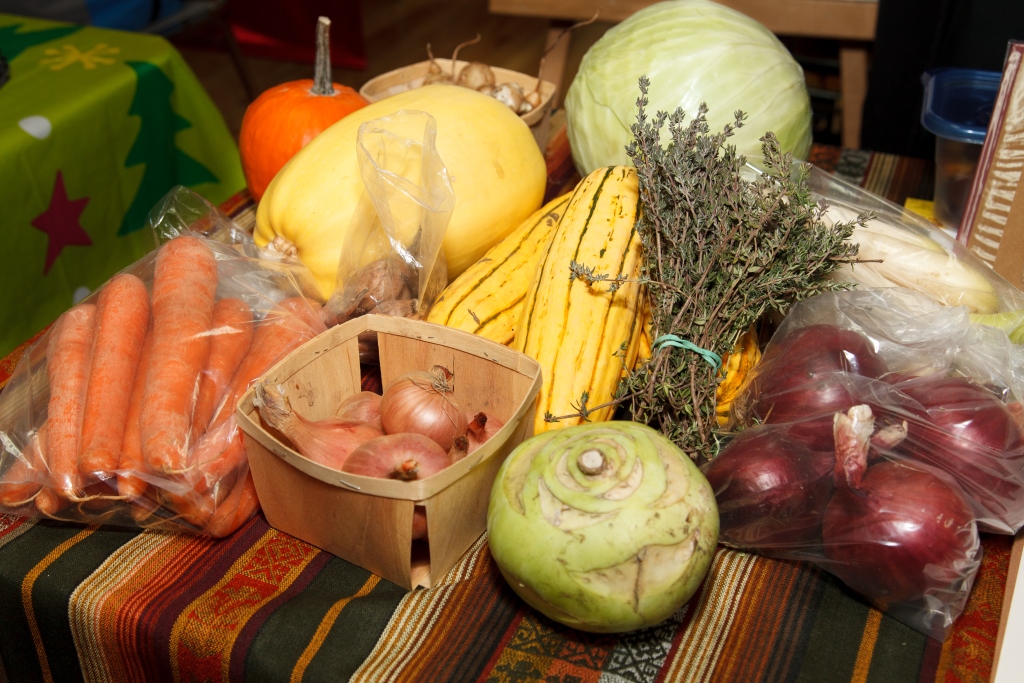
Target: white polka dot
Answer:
pixel 80 294
pixel 38 127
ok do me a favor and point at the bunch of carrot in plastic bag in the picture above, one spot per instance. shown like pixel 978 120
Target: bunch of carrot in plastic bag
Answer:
pixel 123 411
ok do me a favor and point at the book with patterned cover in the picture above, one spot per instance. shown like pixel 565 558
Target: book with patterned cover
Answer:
pixel 993 221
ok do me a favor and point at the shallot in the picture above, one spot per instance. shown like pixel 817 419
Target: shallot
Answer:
pixel 481 428
pixel 460 450
pixel 328 442
pixel 422 402
pixel 894 531
pixel 397 456
pixel 363 406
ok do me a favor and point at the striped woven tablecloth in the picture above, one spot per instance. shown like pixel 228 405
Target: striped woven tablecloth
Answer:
pixel 113 604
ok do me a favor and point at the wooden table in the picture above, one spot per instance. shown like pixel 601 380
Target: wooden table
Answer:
pixel 850 21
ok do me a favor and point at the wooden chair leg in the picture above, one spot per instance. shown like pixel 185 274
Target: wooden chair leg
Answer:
pixel 554 63
pixel 853 88
pixel 239 60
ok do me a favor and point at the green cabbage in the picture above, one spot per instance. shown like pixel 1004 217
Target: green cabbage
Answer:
pixel 693 51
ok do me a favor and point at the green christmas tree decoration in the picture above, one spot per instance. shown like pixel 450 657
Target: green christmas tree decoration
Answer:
pixel 155 144
pixel 13 42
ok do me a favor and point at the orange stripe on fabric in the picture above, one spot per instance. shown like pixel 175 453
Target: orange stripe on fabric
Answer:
pixel 106 598
pixel 26 594
pixel 204 634
pixel 441 613
pixel 444 617
pixel 867 647
pixel 325 626
pixel 164 569
pixel 697 652
pixel 749 647
pixel 412 621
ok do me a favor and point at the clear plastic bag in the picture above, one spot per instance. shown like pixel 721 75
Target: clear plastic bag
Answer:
pixel 123 411
pixel 392 262
pixel 943 397
pixel 899 248
pixel 955 385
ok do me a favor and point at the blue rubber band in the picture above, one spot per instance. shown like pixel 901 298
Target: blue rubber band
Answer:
pixel 712 358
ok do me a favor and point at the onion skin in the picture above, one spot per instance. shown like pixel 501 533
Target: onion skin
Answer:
pixel 605 527
pixel 894 531
pixel 966 431
pixel 819 349
pixel 422 403
pixel 771 490
pixel 810 366
pixel 328 442
pixel 481 428
pixel 397 456
pixel 363 406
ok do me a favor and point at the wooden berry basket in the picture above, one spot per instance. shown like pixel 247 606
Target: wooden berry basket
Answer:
pixel 408 77
pixel 365 520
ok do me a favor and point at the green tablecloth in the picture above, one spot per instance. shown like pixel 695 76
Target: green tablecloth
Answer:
pixel 95 127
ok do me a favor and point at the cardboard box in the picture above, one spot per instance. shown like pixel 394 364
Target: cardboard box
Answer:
pixel 365 520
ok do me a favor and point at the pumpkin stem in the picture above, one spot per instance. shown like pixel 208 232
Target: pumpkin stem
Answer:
pixel 322 80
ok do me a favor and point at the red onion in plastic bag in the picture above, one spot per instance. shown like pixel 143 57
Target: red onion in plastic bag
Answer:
pixel 894 531
pixel 771 490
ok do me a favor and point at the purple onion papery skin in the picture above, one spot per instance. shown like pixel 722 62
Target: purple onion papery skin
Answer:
pixel 771 491
pixel 902 534
pixel 963 429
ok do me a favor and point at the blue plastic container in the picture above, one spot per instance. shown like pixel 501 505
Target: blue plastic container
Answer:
pixel 957 107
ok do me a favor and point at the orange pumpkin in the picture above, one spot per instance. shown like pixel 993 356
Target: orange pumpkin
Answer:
pixel 283 119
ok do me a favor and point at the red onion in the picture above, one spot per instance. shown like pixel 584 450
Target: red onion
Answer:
pixel 966 431
pixel 771 490
pixel 363 406
pixel 815 370
pixel 815 350
pixel 422 403
pixel 894 531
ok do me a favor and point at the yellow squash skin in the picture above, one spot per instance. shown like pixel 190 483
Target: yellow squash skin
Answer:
pixel 488 297
pixel 584 335
pixel 496 170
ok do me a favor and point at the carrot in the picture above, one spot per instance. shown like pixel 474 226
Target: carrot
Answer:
pixel 222 450
pixel 122 318
pixel 236 508
pixel 230 339
pixel 130 486
pixel 21 481
pixel 283 330
pixel 49 502
pixel 184 285
pixel 68 371
pixel 194 507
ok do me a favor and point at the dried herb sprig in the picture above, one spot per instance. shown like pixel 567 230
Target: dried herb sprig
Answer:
pixel 720 250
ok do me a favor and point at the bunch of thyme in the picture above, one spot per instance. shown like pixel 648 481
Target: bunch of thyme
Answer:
pixel 720 251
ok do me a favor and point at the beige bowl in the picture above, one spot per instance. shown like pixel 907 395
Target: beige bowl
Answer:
pixel 408 77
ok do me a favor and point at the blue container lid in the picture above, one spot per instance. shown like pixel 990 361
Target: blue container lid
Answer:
pixel 958 102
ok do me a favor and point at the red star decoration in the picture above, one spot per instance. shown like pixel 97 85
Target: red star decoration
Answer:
pixel 60 222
